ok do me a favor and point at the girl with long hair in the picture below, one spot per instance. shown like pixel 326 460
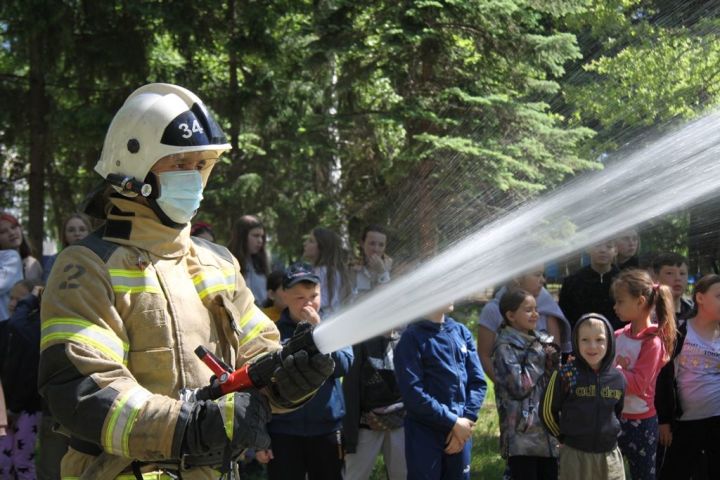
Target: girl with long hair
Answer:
pixel 323 249
pixel 13 238
pixel 689 390
pixel 247 243
pixel 642 348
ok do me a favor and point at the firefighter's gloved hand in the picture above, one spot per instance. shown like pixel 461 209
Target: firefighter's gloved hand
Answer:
pixel 301 375
pixel 236 420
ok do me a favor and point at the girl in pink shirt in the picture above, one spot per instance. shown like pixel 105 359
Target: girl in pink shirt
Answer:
pixel 641 349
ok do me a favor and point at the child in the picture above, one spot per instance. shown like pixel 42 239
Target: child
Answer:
pixel 588 289
pixel 693 400
pixel 641 350
pixel 307 440
pixel 582 403
pixel 20 344
pixel 248 243
pixel 442 386
pixel 522 360
pixel 323 248
pixel 374 267
pixel 627 244
pixel 202 230
pixel 274 304
pixel 671 269
pixel 375 413
pixel 550 318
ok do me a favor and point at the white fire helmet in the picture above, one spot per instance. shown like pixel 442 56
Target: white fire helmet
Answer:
pixel 157 120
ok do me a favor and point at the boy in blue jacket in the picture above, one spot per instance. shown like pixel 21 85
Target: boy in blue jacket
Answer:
pixel 443 386
pixel 307 441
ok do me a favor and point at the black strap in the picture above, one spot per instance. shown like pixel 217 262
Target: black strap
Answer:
pixel 136 470
pixel 82 446
pixel 101 248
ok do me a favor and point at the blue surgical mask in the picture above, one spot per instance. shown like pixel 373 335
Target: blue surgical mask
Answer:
pixel 180 194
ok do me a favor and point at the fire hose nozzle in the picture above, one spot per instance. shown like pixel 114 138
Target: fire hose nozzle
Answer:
pixel 258 374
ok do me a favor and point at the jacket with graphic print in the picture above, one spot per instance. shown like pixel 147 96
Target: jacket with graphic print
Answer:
pixel 122 314
pixel 581 406
pixel 520 377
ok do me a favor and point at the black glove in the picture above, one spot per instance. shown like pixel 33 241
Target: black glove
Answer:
pixel 206 442
pixel 300 376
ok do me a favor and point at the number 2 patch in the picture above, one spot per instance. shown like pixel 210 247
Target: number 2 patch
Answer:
pixel 74 272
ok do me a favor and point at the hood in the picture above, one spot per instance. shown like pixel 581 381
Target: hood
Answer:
pixel 132 224
pixel 609 353
pixel 546 305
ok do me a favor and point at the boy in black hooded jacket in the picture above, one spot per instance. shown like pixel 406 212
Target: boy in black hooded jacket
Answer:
pixel 582 403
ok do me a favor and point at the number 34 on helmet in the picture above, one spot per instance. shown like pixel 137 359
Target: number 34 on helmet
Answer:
pixel 157 120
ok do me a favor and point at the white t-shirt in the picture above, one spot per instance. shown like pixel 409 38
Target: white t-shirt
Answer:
pixel 697 373
pixel 11 272
pixel 329 305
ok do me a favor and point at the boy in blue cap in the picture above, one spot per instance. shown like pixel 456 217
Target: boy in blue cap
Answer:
pixel 307 440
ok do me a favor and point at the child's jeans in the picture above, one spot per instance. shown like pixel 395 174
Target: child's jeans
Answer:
pixel 638 442
pixel 426 458
pixel 17 448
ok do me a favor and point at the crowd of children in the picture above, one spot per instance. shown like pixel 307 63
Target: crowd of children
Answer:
pixel 623 365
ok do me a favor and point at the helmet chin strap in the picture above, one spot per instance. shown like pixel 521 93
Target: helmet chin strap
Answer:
pixel 151 179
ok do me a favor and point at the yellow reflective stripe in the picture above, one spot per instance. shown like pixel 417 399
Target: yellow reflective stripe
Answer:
pixel 249 315
pixel 138 289
pixel 252 323
pixel 61 330
pixel 145 476
pixel 212 281
pixel 119 272
pixel 252 334
pixel 122 418
pixel 547 406
pixel 229 274
pixel 134 281
pixel 228 415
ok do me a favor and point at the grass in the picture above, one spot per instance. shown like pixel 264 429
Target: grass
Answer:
pixel 486 460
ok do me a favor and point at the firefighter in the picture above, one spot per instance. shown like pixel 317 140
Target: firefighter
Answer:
pixel 125 308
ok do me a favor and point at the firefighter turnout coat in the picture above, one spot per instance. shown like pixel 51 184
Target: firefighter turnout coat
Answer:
pixel 122 314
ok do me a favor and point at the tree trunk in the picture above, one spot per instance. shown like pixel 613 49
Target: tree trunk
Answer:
pixel 335 176
pixel 426 212
pixel 38 141
pixel 427 221
pixel 233 90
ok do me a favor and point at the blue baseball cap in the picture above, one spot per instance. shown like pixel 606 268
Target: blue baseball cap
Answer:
pixel 299 272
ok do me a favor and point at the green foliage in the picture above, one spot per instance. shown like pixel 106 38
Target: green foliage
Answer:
pixel 665 76
pixel 451 104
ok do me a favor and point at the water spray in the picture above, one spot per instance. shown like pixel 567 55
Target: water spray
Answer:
pixel 676 171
